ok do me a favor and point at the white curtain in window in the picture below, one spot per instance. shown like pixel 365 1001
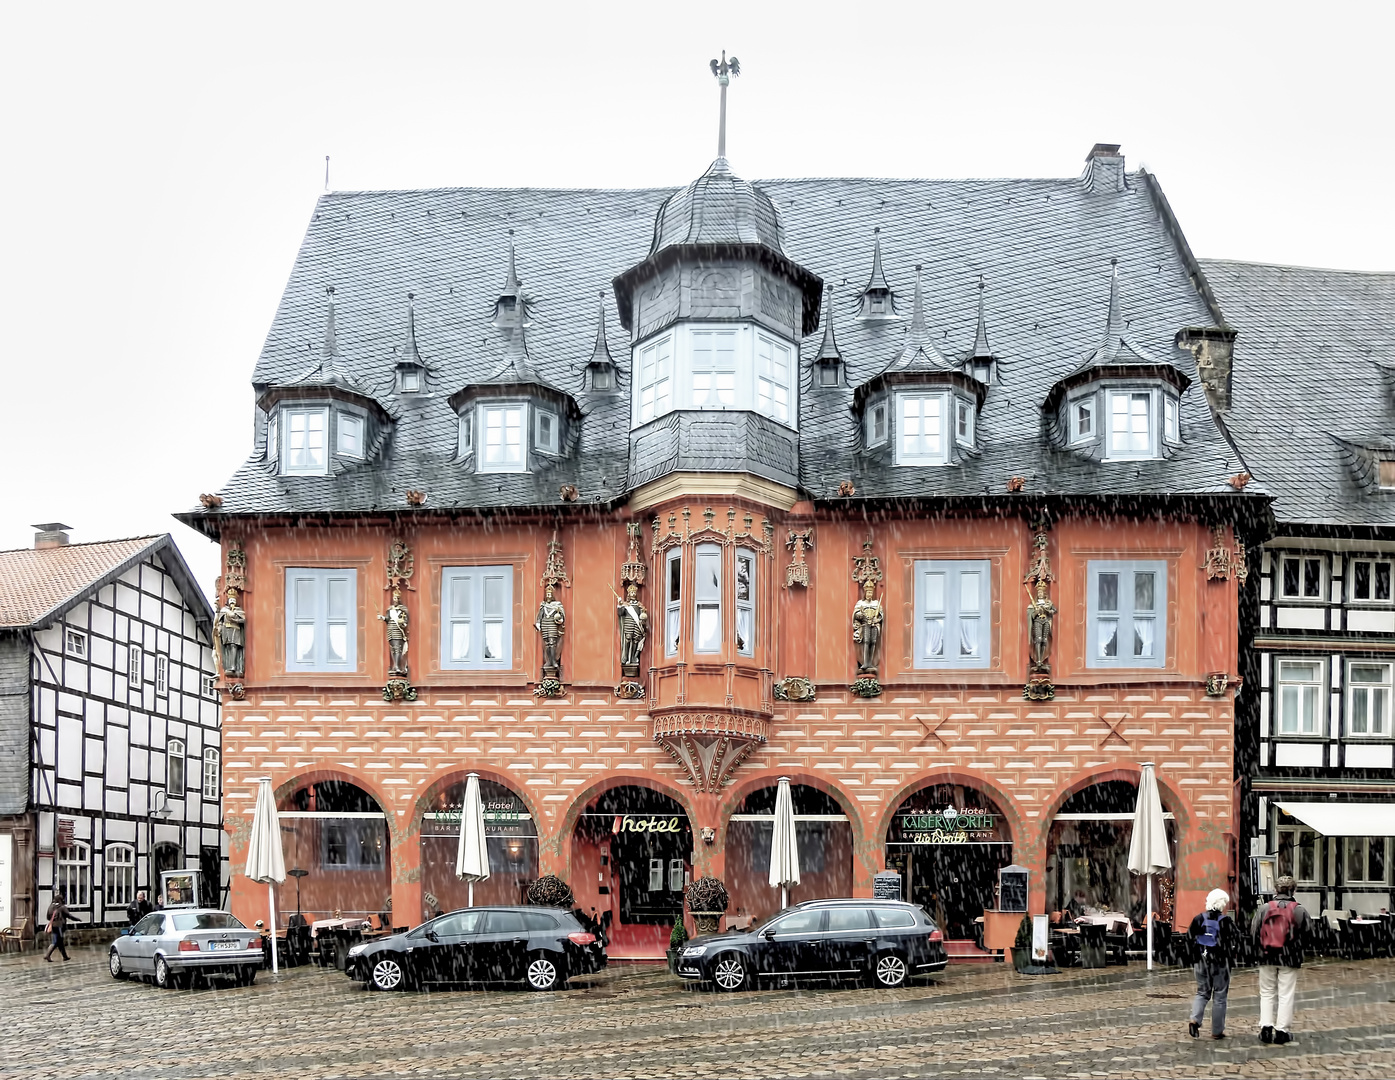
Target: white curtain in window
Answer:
pixel 968 637
pixel 935 637
pixel 1143 637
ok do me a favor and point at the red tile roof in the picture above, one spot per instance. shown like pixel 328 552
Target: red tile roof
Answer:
pixel 34 582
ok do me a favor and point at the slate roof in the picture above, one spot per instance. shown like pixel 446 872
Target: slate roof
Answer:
pixel 1044 248
pixel 38 585
pixel 1312 401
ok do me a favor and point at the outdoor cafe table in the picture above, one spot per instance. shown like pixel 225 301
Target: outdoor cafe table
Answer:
pixel 1366 933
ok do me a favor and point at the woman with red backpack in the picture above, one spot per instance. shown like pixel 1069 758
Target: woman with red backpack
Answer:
pixel 1280 930
pixel 1214 938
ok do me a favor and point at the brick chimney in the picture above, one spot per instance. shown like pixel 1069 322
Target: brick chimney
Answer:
pixel 1213 348
pixel 1104 168
pixel 51 535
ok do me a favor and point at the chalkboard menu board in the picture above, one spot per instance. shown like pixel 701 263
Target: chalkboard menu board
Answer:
pixel 1012 888
pixel 887 886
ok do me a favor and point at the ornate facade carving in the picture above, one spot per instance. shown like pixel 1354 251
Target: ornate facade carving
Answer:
pixel 1041 614
pixel 794 688
pixel 709 745
pixel 230 623
pixel 1217 563
pixel 797 572
pixel 551 621
pixel 868 621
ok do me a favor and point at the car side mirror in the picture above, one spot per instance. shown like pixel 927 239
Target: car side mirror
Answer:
pixel 769 935
pixel 431 935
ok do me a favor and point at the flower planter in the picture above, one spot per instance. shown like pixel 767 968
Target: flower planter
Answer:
pixel 707 922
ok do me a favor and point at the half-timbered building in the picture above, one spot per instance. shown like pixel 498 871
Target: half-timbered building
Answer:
pixel 110 756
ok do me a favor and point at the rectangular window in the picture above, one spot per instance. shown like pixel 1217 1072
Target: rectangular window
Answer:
pixel 656 875
pixel 654 387
pixel 675 875
pixel 305 440
pixel 920 423
pixel 410 381
pixel 1367 860
pixel 1082 419
pixel 121 875
pixel 1298 695
pixel 477 619
pixel 707 599
pixel 1130 424
pixel 351 844
pixel 321 620
pixel 1368 699
pixel 1127 611
pixel 212 788
pixel 952 599
pixel 75 643
pixel 828 374
pixel 467 435
pixel 350 435
pixel 745 602
pixel 1370 581
pixel 673 600
pixel 502 426
pixel 714 369
pixel 273 438
pixel 134 673
pixel 1300 577
pixel 1172 427
pixel 963 422
pixel 773 367
pixel 174 768
pixel 209 685
pixel 1298 855
pixel 162 674
pixel 602 378
pixel 74 874
pixel 876 424
pixel 545 430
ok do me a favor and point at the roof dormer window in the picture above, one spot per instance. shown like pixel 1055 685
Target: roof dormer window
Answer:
pixel 501 430
pixel 273 437
pixel 545 430
pixel 1130 424
pixel 1082 419
pixel 877 424
pixel 350 435
pixel 409 381
pixel 305 441
pixel 1172 423
pixel 921 435
pixel 1386 474
pixel 964 423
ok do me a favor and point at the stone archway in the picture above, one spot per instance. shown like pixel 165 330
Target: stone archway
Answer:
pixel 511 841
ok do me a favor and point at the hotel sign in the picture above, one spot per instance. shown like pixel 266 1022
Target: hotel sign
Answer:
pixel 951 826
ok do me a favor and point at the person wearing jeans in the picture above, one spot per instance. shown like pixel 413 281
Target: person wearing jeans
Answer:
pixel 1280 931
pixel 1214 937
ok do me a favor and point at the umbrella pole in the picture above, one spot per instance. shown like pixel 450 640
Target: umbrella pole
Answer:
pixel 1150 921
pixel 784 897
pixel 471 901
pixel 271 899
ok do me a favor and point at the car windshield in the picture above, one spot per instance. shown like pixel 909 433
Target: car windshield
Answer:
pixel 207 920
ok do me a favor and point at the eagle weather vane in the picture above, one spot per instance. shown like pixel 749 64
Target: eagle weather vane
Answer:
pixel 724 69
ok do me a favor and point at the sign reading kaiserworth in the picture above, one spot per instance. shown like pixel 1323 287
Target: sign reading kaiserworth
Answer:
pixel 950 826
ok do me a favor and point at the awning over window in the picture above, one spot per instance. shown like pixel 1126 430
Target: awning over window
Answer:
pixel 1344 819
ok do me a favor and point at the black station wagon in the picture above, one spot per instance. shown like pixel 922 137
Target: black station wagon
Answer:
pixel 882 942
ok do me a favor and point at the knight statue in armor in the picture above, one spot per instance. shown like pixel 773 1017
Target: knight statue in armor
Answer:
pixel 396 619
pixel 550 624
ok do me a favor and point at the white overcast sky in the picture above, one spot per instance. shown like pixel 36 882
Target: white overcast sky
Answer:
pixel 160 163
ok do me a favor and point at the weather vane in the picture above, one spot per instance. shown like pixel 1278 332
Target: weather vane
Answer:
pixel 724 69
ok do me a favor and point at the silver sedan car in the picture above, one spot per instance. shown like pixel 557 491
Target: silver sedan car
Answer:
pixel 172 947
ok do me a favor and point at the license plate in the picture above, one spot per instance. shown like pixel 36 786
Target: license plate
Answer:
pixel 222 946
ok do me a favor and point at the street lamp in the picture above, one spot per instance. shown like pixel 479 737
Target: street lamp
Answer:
pixel 159 807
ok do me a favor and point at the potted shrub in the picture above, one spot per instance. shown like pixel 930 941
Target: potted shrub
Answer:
pixel 708 902
pixel 1022 946
pixel 676 940
pixel 550 891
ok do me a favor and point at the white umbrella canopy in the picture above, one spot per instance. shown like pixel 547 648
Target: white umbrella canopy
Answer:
pixel 472 853
pixel 784 845
pixel 1148 852
pixel 265 860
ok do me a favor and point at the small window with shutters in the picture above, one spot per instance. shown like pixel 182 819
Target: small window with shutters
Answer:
pixel 476 622
pixel 321 619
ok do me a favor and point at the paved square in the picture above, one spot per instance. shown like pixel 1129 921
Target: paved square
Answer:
pixel 73 1020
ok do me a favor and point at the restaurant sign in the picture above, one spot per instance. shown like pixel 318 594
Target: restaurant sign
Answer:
pixel 502 817
pixel 950 826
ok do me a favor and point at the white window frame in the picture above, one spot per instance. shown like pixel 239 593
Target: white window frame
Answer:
pixel 1365 849
pixel 653 381
pixel 1088 431
pixel 135 666
pixel 1371 699
pixel 1172 419
pixel 1296 834
pixel 722 391
pixel 273 435
pixel 878 423
pixel 1314 690
pixel 208 684
pixel 745 609
pixel 707 597
pixel 472 581
pixel 673 600
pixel 1127 617
pixel 828 374
pixel 1113 452
pixel 951 613
pixel 308 464
pixel 75 643
pixel 119 877
pixel 605 371
pixel 176 768
pixel 926 453
pixel 549 442
pixel 352 428
pixel 501 464
pixel 357 836
pixel 775 392
pixel 406 373
pixel 1372 571
pixel 964 422
pixel 1302 596
pixel 467 433
pixel 73 873
pixel 162 673
pixel 212 774
pixel 318 619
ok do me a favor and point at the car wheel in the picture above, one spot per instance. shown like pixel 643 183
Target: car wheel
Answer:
pixel 543 974
pixel 890 971
pixel 164 977
pixel 388 974
pixel 729 972
pixel 114 964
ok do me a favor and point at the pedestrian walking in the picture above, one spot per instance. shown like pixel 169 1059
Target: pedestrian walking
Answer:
pixel 58 916
pixel 1280 929
pixel 139 908
pixel 1214 938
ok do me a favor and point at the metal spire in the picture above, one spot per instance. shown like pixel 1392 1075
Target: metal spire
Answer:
pixel 601 353
pixel 829 349
pixel 723 70
pixel 409 348
pixel 878 279
pixel 981 349
pixel 917 331
pixel 1114 330
pixel 330 349
pixel 511 282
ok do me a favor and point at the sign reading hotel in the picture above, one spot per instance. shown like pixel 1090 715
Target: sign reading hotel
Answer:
pixel 950 826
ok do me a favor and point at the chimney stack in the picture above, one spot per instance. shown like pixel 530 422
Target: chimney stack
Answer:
pixel 1104 168
pixel 51 535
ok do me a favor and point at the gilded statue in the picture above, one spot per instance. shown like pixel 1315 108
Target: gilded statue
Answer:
pixel 550 624
pixel 1039 615
pixel 867 621
pixel 230 631
pixel 634 630
pixel 396 619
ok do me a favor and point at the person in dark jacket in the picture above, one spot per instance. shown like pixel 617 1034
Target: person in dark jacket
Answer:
pixel 58 916
pixel 1280 930
pixel 1215 939
pixel 139 908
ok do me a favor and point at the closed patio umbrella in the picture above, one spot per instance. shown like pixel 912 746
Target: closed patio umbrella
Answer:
pixel 265 862
pixel 1148 846
pixel 472 854
pixel 784 845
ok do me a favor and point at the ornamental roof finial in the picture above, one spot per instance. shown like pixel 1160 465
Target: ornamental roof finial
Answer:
pixel 724 69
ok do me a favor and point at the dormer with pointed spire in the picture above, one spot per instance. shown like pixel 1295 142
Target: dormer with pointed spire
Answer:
pixel 511 307
pixel 1121 403
pixel 411 374
pixel 878 299
pixel 981 362
pixel 601 378
pixel 920 409
pixel 829 370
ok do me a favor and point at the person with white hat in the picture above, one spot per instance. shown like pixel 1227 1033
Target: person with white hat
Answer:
pixel 1214 938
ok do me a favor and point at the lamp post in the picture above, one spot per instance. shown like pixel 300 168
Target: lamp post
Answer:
pixel 159 807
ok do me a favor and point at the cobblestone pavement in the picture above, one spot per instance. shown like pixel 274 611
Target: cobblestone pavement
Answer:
pixel 73 1020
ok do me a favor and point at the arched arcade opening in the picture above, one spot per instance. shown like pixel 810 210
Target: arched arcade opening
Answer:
pixel 335 834
pixel 511 840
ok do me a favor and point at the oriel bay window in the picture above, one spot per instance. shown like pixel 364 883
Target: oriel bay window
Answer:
pixel 673 600
pixel 719 367
pixel 1368 699
pixel 745 602
pixel 952 600
pixel 321 606
pixel 707 599
pixel 476 622
pixel 1298 694
pixel 714 369
pixel 1127 614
